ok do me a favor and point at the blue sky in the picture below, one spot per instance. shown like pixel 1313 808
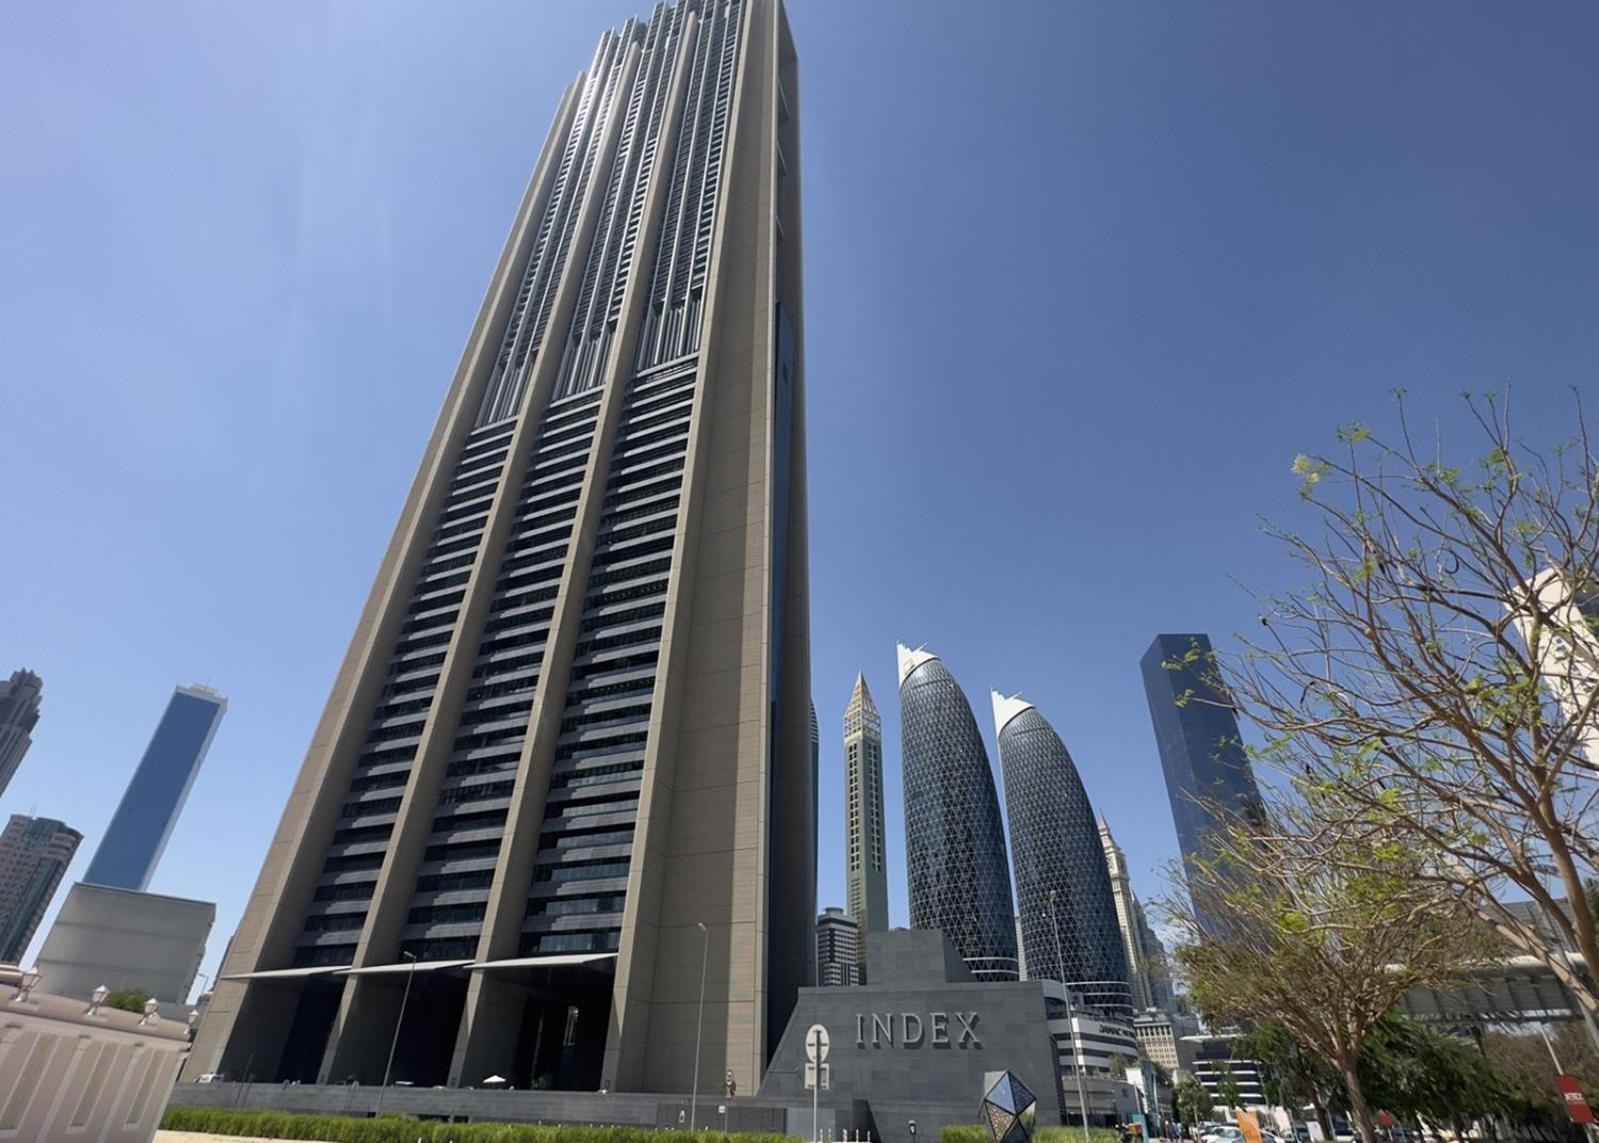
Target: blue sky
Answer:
pixel 1081 280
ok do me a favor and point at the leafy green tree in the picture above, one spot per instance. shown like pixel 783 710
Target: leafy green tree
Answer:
pixel 1326 948
pixel 1298 1078
pixel 128 999
pixel 1227 1086
pixel 1435 674
pixel 1194 1104
pixel 1415 1071
pixel 1522 1062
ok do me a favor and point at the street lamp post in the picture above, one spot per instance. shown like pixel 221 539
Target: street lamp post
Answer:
pixel 699 1026
pixel 398 1023
pixel 1071 1018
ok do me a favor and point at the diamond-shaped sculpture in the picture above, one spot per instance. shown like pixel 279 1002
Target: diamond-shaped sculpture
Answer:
pixel 1009 1109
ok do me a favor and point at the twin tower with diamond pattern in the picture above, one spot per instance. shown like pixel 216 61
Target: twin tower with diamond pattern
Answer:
pixel 959 878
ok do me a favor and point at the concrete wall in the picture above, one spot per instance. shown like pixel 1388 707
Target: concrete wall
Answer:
pixel 915 1042
pixel 123 939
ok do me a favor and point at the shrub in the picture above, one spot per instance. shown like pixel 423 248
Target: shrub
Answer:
pixel 403 1129
pixel 960 1133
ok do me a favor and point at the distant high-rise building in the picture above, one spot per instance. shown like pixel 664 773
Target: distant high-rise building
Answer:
pixel 1201 751
pixel 956 871
pixel 1136 934
pixel 1567 645
pixel 138 833
pixel 1063 890
pixel 1157 968
pixel 838 942
pixel 34 853
pixel 573 723
pixel 865 864
pixel 19 713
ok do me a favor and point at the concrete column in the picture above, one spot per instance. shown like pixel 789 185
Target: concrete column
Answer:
pixel 703 817
pixel 492 1017
pixel 353 1047
pixel 278 904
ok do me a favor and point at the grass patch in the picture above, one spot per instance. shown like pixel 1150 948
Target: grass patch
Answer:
pixel 960 1133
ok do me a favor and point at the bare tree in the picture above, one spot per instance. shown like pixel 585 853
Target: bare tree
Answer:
pixel 1436 684
pixel 1324 948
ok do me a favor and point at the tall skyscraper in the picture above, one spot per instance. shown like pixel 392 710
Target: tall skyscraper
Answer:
pixel 573 724
pixel 138 833
pixel 1201 751
pixel 865 863
pixel 1130 920
pixel 34 854
pixel 19 713
pixel 957 874
pixel 838 941
pixel 1063 890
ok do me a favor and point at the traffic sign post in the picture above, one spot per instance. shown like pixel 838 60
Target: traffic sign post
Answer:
pixel 816 1077
pixel 1576 1103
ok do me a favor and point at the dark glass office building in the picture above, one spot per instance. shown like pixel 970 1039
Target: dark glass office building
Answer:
pixel 19 713
pixel 139 830
pixel 959 880
pixel 1055 849
pixel 34 854
pixel 1196 732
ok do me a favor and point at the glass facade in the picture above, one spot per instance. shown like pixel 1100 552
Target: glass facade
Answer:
pixel 1056 852
pixel 959 880
pixel 138 833
pixel 34 854
pixel 1196 732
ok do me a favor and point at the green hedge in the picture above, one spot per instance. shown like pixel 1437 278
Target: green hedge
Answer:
pixel 403 1129
pixel 960 1133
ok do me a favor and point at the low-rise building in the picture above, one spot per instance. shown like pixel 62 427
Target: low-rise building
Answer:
pixel 915 1042
pixel 1160 1038
pixel 838 953
pixel 71 1068
pixel 1216 1067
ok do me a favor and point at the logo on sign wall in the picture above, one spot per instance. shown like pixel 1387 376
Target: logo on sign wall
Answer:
pixel 909 1030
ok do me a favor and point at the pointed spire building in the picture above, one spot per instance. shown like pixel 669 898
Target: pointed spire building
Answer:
pixel 865 860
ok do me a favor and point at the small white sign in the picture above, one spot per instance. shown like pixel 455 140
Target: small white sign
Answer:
pixel 826 1077
pixel 816 1043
